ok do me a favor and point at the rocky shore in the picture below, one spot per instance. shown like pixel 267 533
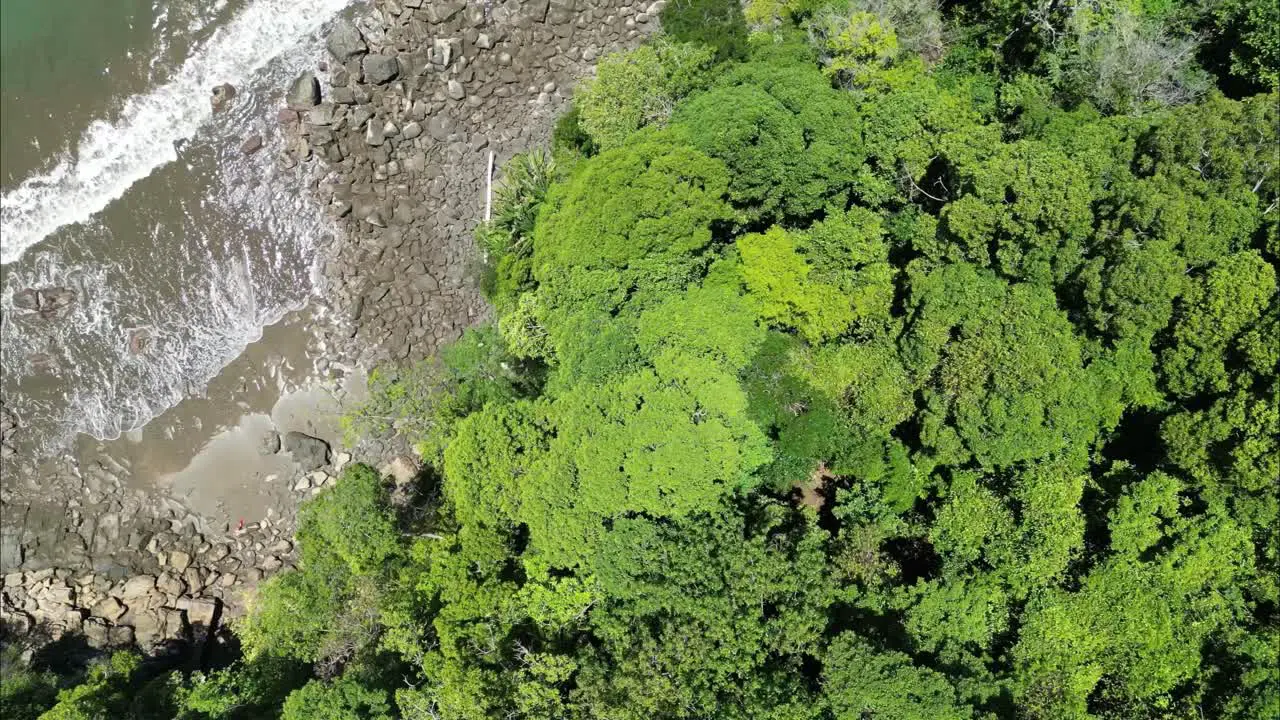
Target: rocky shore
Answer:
pixel 401 119
pixel 409 112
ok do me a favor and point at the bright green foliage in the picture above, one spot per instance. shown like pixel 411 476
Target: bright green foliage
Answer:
pixel 909 120
pixel 627 229
pixel 824 282
pixel 490 452
pixel 424 401
pixel 860 681
pixel 1136 622
pixel 777 278
pixel 349 521
pixel 712 322
pixel 327 607
pixel 667 442
pixel 339 700
pixel 1003 376
pixel 1232 450
pixel 697 611
pixel 256 688
pixel 857 46
pixel 637 88
pixel 1218 307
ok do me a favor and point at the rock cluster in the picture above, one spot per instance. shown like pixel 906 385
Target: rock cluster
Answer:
pixel 189 582
pixel 410 110
pixel 86 554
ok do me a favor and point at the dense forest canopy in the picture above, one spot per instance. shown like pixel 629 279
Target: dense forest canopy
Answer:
pixel 854 359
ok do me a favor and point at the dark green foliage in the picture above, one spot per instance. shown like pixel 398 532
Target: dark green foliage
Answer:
pixel 862 681
pixel 788 138
pixel 718 24
pixel 116 687
pixel 1002 374
pixel 25 692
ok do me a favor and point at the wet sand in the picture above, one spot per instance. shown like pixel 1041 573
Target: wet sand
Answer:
pixel 205 451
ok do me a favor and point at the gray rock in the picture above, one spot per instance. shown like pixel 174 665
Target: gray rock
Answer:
pixel 380 69
pixel 345 41
pixel 200 611
pixel 109 609
pixel 222 96
pixel 179 560
pixel 440 127
pixel 120 635
pixel 268 444
pixel 322 114
pixel 56 301
pixel 138 586
pixel 304 92
pixel 96 633
pixel 439 12
pixel 251 144
pixel 28 299
pixel 373 135
pixel 10 550
pixel 455 90
pixel 310 453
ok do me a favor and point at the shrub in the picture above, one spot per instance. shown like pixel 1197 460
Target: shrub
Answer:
pixel 638 88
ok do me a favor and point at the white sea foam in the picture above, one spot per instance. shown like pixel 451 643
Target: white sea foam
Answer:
pixel 112 156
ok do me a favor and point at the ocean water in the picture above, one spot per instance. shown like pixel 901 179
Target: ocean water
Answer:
pixel 125 196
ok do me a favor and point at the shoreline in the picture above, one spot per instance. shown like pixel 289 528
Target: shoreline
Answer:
pixel 406 187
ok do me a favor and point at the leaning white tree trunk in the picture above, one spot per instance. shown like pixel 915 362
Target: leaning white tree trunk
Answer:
pixel 488 189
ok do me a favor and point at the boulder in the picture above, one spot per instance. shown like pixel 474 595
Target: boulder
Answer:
pixel 251 144
pixel 56 301
pixel 345 41
pixel 304 92
pixel 311 453
pixel 200 611
pixel 120 635
pixel 170 584
pixel 439 12
pixel 96 633
pixel 28 299
pixel 138 586
pixel 179 560
pixel 380 69
pixel 222 96
pixel 139 341
pixel 109 609
pixel 268 444
pixel 402 469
